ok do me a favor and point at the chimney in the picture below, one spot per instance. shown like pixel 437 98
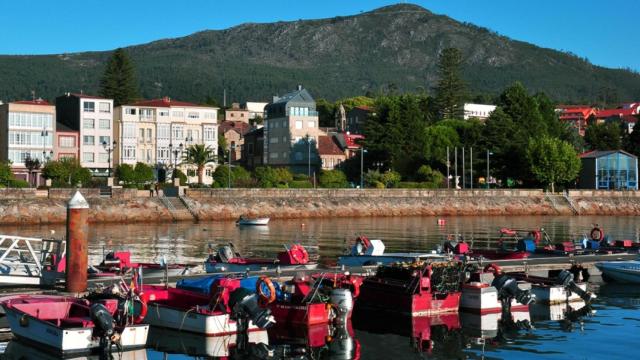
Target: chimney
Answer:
pixel 235 106
pixel 299 87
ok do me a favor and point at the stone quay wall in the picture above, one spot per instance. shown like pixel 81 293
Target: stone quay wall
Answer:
pixel 28 206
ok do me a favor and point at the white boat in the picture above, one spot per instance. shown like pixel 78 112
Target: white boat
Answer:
pixel 621 271
pixel 478 297
pixel 187 311
pixel 198 345
pixel 65 325
pixel 252 221
pixel 19 350
pixel 367 252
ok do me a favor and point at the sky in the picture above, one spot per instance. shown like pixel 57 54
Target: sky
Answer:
pixel 604 31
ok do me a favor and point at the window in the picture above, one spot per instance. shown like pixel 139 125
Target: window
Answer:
pixel 88 140
pixel 67 141
pixel 149 156
pixel 208 172
pixel 149 133
pixel 141 137
pixel 191 172
pixel 273 155
pixel 88 157
pixel 233 115
pixel 311 123
pixel 298 124
pixel 284 139
pixel 163 113
pixel 273 140
pixel 129 153
pixel 285 155
pixel 105 124
pixel 129 131
pixel 30 120
pixel 178 133
pixel 209 133
pixel 88 124
pixel 209 115
pixel 105 140
pixel 89 106
pixel 105 107
pixel 178 114
pixel 146 113
pixel 103 157
pixel 164 131
pixel 130 111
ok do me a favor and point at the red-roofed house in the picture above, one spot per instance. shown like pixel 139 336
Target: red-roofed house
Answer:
pixel 331 155
pixel 577 116
pixel 627 114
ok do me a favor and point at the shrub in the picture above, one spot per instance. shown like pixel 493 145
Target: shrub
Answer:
pixel 300 184
pixel 66 173
pixel 333 179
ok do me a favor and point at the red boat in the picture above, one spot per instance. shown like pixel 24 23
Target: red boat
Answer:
pixel 227 259
pixel 416 289
pixel 518 249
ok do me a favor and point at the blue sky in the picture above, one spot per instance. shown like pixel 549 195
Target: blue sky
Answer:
pixel 604 31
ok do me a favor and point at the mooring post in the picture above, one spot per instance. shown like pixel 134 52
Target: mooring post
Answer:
pixel 77 244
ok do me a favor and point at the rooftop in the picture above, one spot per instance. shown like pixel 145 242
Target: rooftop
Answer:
pixel 327 145
pixel 239 126
pixel 32 102
pixel 600 153
pixel 168 102
pixel 85 96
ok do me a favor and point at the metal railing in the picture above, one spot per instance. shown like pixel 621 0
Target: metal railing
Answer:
pixel 23 259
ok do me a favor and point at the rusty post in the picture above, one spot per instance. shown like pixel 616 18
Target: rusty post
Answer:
pixel 77 244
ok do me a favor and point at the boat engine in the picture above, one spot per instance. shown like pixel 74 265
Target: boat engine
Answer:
pixel 342 302
pixel 105 325
pixel 244 307
pixel 566 279
pixel 508 289
pixel 224 254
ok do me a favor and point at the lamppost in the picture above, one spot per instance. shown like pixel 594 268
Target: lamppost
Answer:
pixel 109 150
pixel 308 156
pixel 232 147
pixel 175 152
pixel 488 153
pixel 362 151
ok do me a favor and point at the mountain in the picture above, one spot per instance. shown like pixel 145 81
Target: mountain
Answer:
pixel 333 58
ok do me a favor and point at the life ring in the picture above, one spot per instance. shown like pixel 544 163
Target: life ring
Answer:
pixel 364 242
pixel 597 234
pixel 536 235
pixel 299 254
pixel 143 311
pixel 265 299
pixel 493 268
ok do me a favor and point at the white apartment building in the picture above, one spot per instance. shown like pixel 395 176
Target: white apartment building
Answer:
pixel 291 132
pixel 92 117
pixel 157 132
pixel 478 111
pixel 27 131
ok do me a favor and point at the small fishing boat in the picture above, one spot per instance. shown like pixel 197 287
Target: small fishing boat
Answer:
pixel 246 221
pixel 556 290
pixel 365 252
pixel 416 289
pixel 227 259
pixel 69 325
pixel 119 263
pixel 214 314
pixel 20 350
pixel 620 271
pixel 510 247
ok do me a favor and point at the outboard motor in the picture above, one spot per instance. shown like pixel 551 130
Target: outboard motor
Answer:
pixel 104 323
pixel 224 254
pixel 508 289
pixel 342 301
pixel 566 279
pixel 244 306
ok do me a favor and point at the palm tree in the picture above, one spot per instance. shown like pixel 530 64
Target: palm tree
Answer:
pixel 199 155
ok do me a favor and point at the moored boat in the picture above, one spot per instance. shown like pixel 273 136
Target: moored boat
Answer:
pixel 365 252
pixel 620 271
pixel 246 221
pixel 119 263
pixel 227 259
pixel 69 325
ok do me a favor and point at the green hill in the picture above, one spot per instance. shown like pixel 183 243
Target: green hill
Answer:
pixel 334 58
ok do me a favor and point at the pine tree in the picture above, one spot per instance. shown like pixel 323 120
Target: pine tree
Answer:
pixel 450 91
pixel 119 81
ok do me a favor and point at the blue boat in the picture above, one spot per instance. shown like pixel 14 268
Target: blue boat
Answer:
pixel 621 271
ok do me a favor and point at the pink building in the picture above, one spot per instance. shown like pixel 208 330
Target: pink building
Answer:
pixel 66 143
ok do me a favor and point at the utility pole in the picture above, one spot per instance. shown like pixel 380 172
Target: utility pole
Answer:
pixel 448 170
pixel 464 176
pixel 487 181
pixel 455 171
pixel 471 167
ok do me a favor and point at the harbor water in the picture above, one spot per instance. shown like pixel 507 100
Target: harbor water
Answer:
pixel 607 331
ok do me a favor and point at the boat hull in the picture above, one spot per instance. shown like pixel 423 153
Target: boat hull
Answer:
pixel 253 222
pixel 621 271
pixel 308 314
pixel 422 304
pixel 484 300
pixel 386 259
pixel 213 267
pixel 69 340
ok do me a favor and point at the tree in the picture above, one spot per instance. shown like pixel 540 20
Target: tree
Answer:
pixel 432 177
pixel 437 139
pixel 333 179
pixel 552 160
pixel 119 80
pixel 7 178
pixel 239 177
pixel 31 164
pixel 199 155
pixel 66 172
pixel 143 174
pixel 269 177
pixel 603 136
pixel 223 147
pixel 450 90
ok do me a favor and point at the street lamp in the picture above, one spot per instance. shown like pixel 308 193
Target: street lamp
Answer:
pixel 308 138
pixel 109 150
pixel 378 165
pixel 232 147
pixel 175 152
pixel 362 151
pixel 488 153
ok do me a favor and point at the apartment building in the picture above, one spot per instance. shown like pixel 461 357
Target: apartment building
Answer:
pixel 157 132
pixel 26 131
pixel 66 143
pixel 256 109
pixel 478 111
pixel 291 132
pixel 92 118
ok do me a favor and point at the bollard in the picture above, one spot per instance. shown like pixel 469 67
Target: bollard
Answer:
pixel 77 243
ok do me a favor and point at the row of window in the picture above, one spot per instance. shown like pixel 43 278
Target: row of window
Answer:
pixel 274 124
pixel 89 157
pixel 30 138
pixel 90 140
pixel 90 106
pixel 91 124
pixel 166 132
pixel 148 113
pixel 30 120
pixel 67 141
pixel 19 156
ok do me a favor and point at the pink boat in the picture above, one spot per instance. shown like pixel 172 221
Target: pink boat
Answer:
pixel 227 259
pixel 69 325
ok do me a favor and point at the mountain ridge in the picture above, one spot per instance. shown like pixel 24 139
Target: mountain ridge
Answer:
pixel 333 57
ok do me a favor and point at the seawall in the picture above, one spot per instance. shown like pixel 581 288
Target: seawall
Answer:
pixel 130 206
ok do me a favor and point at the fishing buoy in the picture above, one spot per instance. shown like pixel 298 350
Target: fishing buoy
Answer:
pixel 302 225
pixel 442 222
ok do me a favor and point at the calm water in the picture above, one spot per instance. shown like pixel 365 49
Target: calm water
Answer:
pixel 609 333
